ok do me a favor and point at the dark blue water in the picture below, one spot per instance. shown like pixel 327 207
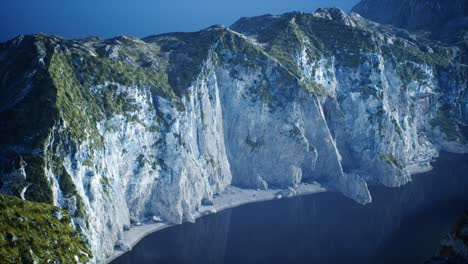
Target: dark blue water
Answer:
pixel 402 225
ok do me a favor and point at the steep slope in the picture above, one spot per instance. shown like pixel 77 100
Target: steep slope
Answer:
pixel 379 81
pixel 38 233
pixel 119 130
pixel 442 17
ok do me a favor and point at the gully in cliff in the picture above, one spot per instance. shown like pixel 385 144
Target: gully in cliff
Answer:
pixel 117 131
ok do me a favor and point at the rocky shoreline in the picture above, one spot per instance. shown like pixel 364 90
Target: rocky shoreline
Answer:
pixel 230 198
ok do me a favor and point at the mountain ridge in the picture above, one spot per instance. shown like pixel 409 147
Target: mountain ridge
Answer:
pixel 119 130
pixel 442 19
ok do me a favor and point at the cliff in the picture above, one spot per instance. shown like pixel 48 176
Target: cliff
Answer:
pixel 119 130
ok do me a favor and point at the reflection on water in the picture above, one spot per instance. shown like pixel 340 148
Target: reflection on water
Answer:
pixel 402 225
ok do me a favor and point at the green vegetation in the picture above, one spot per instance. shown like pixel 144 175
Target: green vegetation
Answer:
pixel 276 84
pixel 112 102
pixel 73 102
pixel 315 88
pixel 28 122
pixel 40 189
pixel 105 183
pixel 98 70
pixel 79 83
pixel 244 53
pixel 37 186
pixel 154 129
pixel 392 160
pixel 30 233
pixel 67 186
pixel 406 51
pixel 448 125
pixel 397 127
pixel 409 72
pixel 88 163
pixel 285 42
pixel 188 53
pixel 287 36
pixel 330 37
pixel 69 190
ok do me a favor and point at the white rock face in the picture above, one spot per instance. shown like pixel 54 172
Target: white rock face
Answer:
pixel 231 135
pixel 244 120
pixel 135 175
pixel 223 137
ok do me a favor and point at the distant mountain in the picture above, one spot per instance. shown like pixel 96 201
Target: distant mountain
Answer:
pixel 443 17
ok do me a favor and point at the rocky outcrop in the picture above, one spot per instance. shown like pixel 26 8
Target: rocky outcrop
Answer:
pixel 439 16
pixel 120 130
pixel 454 248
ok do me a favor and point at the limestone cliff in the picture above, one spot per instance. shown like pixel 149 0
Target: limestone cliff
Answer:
pixel 119 130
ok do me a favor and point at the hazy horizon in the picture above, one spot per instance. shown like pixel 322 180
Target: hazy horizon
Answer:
pixel 141 18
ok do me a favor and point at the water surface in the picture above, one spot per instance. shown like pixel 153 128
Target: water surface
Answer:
pixel 401 225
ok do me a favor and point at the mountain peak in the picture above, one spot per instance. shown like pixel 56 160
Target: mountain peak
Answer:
pixel 332 11
pixel 335 14
pixel 215 27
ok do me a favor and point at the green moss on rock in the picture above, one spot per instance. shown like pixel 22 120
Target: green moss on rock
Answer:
pixel 67 186
pixel 392 160
pixel 74 103
pixel 315 88
pixel 30 233
pixel 39 189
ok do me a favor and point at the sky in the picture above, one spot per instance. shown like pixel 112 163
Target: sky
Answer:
pixel 139 18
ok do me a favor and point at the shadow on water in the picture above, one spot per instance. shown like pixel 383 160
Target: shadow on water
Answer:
pixel 402 225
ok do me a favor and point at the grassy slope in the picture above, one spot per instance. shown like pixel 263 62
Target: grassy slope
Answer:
pixel 29 232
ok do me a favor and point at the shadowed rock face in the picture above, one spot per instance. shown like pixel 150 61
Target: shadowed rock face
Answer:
pixel 119 130
pixel 443 17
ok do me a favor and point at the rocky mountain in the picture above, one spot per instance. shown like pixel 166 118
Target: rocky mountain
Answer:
pixel 119 130
pixel 444 18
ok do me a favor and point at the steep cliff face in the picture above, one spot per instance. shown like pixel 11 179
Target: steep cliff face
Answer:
pixel 119 130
